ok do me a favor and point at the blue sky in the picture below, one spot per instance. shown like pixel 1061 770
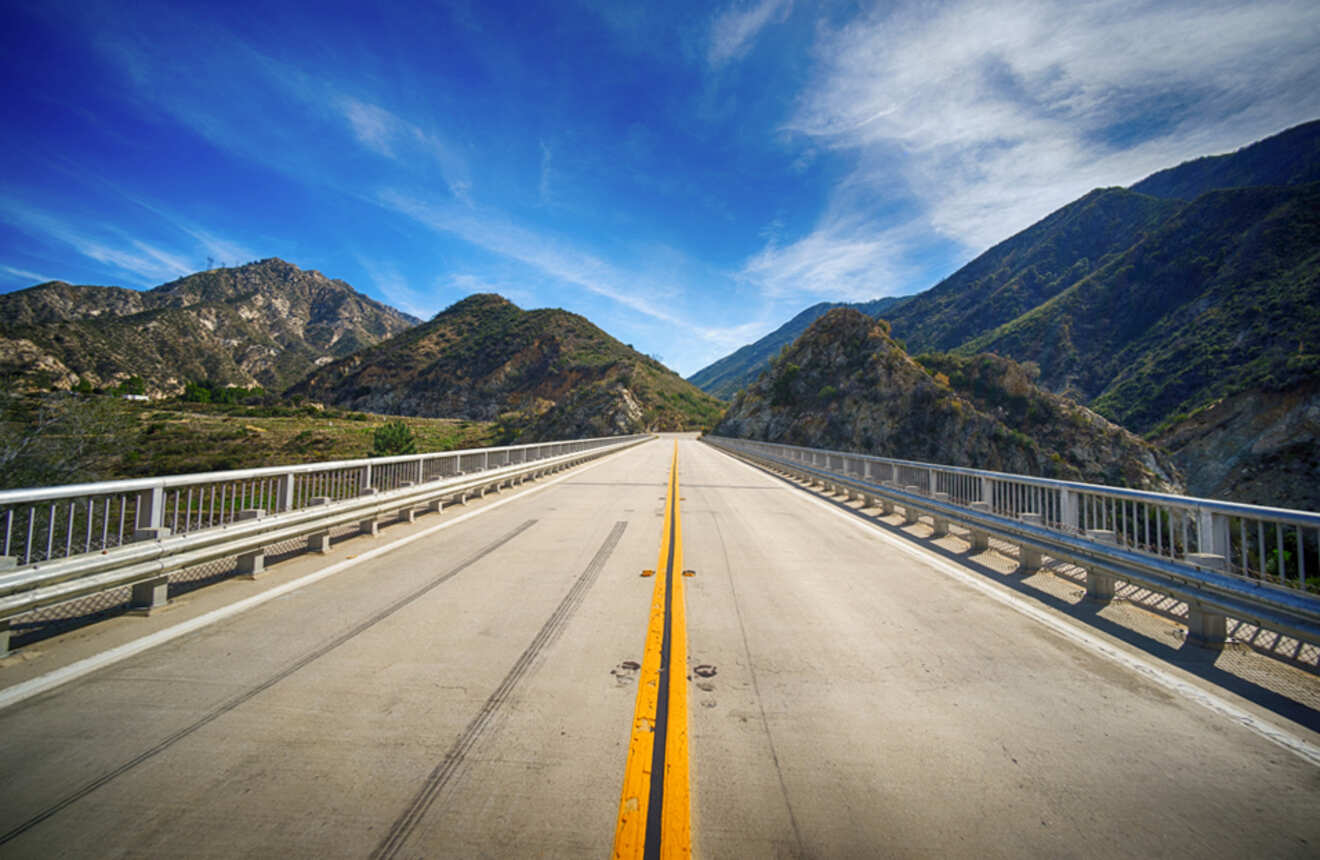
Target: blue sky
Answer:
pixel 688 176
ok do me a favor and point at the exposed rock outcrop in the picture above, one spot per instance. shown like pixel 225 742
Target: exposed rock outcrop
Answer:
pixel 1257 447
pixel 846 384
pixel 266 323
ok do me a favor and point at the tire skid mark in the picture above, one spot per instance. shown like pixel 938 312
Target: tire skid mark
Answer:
pixel 252 692
pixel 800 851
pixel 446 769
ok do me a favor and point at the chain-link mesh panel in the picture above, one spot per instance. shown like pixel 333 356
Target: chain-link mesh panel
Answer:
pixel 60 618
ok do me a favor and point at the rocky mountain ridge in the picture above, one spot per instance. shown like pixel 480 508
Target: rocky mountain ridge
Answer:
pixel 734 372
pixel 266 323
pixel 1197 286
pixel 846 384
pixel 544 373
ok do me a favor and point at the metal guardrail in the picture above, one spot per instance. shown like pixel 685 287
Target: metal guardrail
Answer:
pixel 1222 558
pixel 48 523
pixel 79 539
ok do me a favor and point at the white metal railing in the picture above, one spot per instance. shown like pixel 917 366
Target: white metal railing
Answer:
pixel 44 524
pixel 1181 547
pixel 1273 545
pixel 91 538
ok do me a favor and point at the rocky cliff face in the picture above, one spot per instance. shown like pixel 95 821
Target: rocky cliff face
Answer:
pixel 1257 447
pixel 846 384
pixel 267 323
pixel 545 373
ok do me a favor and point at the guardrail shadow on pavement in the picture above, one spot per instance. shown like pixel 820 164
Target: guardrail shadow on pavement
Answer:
pixel 1295 699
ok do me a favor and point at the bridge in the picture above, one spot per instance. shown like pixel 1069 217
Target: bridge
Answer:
pixel 653 647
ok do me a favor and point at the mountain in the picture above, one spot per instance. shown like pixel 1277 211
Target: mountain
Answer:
pixel 1028 269
pixel 729 375
pixel 1006 281
pixel 1186 308
pixel 1223 297
pixel 266 323
pixel 545 373
pixel 846 384
pixel 1290 157
pixel 1259 446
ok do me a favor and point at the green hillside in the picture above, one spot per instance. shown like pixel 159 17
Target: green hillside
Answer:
pixel 731 374
pixel 846 384
pixel 544 373
pixel 1224 296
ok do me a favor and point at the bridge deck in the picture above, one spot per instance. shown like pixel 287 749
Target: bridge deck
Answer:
pixel 472 693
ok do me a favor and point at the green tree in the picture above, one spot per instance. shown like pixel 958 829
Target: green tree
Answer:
pixel 60 439
pixel 195 392
pixel 393 438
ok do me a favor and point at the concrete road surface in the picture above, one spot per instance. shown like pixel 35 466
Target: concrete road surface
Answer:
pixel 470 694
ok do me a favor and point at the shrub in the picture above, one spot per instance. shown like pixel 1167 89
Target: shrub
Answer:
pixel 393 438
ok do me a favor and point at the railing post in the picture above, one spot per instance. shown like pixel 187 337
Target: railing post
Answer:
pixel 150 595
pixel 1211 533
pixel 978 537
pixel 939 523
pixel 1206 627
pixel 1068 509
pixel 150 515
pixel 252 565
pixel 284 492
pixel 366 479
pixel 1029 558
pixel 318 542
pixel 1100 585
pixel 910 514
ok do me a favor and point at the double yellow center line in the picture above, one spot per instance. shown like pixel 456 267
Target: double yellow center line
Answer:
pixel 655 805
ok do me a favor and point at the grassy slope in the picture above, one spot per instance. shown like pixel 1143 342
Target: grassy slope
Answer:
pixel 1033 266
pixel 1229 284
pixel 177 438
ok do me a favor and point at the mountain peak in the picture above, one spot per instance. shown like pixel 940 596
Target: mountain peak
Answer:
pixel 846 384
pixel 478 301
pixel 266 322
pixel 1291 157
pixel 544 374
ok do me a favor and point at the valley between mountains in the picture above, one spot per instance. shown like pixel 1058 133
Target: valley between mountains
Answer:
pixel 1163 336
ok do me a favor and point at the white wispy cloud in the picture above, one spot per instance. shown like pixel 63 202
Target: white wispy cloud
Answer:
pixel 993 114
pixel 373 126
pixel 222 251
pixel 228 70
pixel 25 275
pixel 497 235
pixel 396 289
pixel 144 262
pixel 734 30
pixel 838 261
pixel 389 135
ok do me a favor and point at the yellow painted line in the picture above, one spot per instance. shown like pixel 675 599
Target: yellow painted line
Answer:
pixel 656 734
pixel 676 825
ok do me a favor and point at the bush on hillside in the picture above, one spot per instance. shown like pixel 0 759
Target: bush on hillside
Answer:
pixel 392 439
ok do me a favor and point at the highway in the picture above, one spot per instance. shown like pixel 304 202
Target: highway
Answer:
pixel 473 692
